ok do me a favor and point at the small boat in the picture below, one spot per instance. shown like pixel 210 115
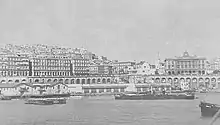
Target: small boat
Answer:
pixel 147 96
pixel 210 105
pixel 5 97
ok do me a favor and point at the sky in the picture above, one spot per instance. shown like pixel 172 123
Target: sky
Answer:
pixel 117 29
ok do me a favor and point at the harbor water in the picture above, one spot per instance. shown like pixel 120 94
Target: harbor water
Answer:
pixel 104 111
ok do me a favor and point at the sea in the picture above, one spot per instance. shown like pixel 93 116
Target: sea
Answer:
pixel 104 110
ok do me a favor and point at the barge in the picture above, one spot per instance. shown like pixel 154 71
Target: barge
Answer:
pixel 39 102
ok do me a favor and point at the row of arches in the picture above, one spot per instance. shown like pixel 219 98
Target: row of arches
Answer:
pixel 187 79
pixel 76 81
pixel 13 81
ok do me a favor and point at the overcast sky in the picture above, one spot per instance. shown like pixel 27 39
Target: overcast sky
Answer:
pixel 118 29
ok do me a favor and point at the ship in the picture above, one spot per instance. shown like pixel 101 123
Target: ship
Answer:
pixel 150 96
pixel 210 105
pixel 156 95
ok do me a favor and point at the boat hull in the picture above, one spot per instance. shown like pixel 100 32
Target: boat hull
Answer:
pixel 208 109
pixel 154 97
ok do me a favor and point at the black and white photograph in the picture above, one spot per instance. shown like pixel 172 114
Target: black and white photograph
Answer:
pixel 109 62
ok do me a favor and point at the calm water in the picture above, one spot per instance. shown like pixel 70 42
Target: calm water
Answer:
pixel 104 111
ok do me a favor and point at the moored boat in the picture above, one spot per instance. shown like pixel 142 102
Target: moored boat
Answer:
pixel 210 105
pixel 155 96
pixel 50 95
pixel 39 102
pixel 2 97
pixel 58 100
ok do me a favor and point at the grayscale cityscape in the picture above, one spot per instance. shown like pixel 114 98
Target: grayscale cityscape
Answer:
pixel 102 62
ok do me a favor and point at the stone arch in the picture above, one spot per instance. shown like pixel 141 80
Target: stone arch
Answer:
pixel 83 81
pixel 61 80
pixel 88 81
pixel 176 80
pixel 23 80
pixel 194 79
pixel 36 80
pixel 207 80
pixel 93 81
pixel 103 80
pixel 16 81
pixel 108 80
pixel 66 81
pixel 213 80
pixel 157 80
pixel 218 79
pixel 77 81
pixel 182 80
pixel 3 81
pixel 55 80
pixel 201 80
pixel 98 80
pixel 170 80
pixel 163 80
pixel 194 83
pixel 49 80
pixel 72 81
pixel 188 80
pixel 10 81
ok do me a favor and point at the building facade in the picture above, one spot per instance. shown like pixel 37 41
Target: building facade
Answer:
pixel 185 65
pixel 143 68
pixel 51 66
pixel 214 64
pixel 80 66
pixel 14 65
pixel 122 67
pixel 93 69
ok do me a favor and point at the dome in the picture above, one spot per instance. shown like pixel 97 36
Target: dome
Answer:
pixel 185 54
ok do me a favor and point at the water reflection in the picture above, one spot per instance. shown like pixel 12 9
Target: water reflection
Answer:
pixel 104 111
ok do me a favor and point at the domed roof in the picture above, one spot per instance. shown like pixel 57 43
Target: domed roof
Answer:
pixel 185 54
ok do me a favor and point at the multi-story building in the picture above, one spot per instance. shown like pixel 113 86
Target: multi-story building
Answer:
pixel 215 64
pixel 93 69
pixel 104 69
pixel 185 64
pixel 14 65
pixel 51 66
pixel 18 65
pixel 122 67
pixel 80 66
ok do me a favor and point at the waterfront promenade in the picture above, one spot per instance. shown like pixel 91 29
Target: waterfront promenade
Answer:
pixel 109 83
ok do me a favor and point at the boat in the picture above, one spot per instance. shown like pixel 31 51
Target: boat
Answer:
pixel 149 96
pixel 2 97
pixel 39 101
pixel 210 105
pixel 58 100
pixel 203 91
pixel 50 95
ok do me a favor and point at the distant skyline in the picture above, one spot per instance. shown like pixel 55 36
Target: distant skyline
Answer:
pixel 117 29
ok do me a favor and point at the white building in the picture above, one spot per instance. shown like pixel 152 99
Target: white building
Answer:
pixel 142 68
